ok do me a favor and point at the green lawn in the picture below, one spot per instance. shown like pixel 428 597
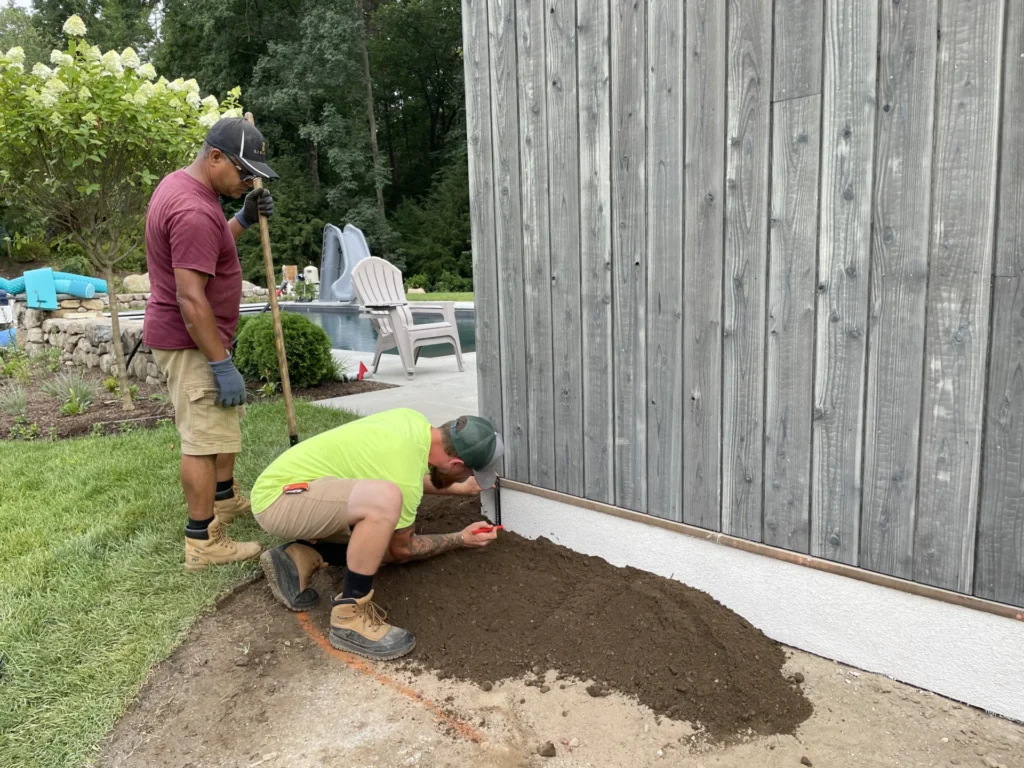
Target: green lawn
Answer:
pixel 440 296
pixel 93 589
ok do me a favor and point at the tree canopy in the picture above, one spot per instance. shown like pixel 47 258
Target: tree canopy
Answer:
pixel 299 64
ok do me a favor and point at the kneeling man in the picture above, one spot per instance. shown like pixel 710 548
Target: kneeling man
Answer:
pixel 349 497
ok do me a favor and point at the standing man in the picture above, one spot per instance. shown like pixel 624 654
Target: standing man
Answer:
pixel 349 497
pixel 191 318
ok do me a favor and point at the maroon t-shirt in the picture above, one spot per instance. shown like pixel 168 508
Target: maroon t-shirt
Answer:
pixel 186 229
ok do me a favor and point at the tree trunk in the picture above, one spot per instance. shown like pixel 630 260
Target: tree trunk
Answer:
pixel 314 168
pixel 373 122
pixel 115 342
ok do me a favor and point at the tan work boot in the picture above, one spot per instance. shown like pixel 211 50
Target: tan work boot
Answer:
pixel 289 569
pixel 357 626
pixel 230 509
pixel 217 549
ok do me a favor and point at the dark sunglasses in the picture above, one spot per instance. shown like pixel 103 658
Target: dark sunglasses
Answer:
pixel 242 173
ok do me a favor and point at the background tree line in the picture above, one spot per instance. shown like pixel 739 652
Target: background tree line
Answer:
pixel 301 67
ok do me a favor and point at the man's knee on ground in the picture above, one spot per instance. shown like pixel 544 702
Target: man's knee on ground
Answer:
pixel 378 500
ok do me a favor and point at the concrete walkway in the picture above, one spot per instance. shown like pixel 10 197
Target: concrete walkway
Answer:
pixel 438 390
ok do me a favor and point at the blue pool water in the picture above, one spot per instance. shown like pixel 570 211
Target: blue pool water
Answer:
pixel 349 331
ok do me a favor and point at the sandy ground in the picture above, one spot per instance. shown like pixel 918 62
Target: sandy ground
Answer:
pixel 254 685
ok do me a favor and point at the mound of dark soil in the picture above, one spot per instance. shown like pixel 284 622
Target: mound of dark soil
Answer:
pixel 486 615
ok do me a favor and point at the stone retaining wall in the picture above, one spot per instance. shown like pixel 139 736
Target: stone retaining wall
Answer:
pixel 84 337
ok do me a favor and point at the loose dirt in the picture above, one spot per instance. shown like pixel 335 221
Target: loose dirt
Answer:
pixel 524 607
pixel 255 686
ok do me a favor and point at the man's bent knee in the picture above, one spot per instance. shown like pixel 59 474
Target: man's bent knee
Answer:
pixel 379 500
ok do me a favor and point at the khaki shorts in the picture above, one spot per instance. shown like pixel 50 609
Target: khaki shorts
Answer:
pixel 319 514
pixel 205 428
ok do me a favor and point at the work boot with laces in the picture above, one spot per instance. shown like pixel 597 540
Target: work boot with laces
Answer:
pixel 231 509
pixel 357 626
pixel 216 548
pixel 289 569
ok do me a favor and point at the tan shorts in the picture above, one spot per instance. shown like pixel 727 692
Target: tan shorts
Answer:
pixel 205 428
pixel 319 514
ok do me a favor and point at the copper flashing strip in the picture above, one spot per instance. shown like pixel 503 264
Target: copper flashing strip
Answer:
pixel 797 558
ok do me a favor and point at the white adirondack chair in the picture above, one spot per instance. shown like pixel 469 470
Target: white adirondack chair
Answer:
pixel 379 289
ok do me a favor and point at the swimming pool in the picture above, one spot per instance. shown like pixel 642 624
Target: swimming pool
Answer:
pixel 347 330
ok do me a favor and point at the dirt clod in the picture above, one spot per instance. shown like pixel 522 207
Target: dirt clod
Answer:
pixel 799 677
pixel 487 686
pixel 546 749
pixel 545 688
pixel 805 760
pixel 595 690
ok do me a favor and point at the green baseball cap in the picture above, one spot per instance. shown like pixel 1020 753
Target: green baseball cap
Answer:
pixel 479 445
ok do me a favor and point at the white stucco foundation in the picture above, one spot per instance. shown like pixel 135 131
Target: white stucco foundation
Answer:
pixel 965 654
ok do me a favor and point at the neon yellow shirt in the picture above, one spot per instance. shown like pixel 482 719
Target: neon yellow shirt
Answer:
pixel 392 445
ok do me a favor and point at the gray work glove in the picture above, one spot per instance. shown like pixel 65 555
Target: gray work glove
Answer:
pixel 230 384
pixel 256 202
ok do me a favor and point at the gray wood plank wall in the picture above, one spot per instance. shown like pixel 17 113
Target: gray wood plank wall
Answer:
pixel 847 152
pixel 476 59
pixel 703 263
pixel 534 185
pixel 564 221
pixel 757 266
pixel 593 31
pixel 899 281
pixel 629 251
pixel 748 106
pixel 959 290
pixel 508 233
pixel 793 239
pixel 1000 567
pixel 666 29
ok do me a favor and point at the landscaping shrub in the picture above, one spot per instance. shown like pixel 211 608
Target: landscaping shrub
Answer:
pixel 418 281
pixel 449 283
pixel 74 392
pixel 307 349
pixel 12 399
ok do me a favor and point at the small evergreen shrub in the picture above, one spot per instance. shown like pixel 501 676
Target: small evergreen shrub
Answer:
pixel 307 349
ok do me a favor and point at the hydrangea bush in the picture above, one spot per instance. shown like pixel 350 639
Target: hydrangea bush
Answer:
pixel 84 141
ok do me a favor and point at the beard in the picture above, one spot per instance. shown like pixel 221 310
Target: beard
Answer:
pixel 441 479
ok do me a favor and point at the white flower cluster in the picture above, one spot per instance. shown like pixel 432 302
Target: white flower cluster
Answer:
pixel 143 93
pixel 112 64
pixel 74 26
pixel 14 58
pixel 93 54
pixel 146 71
pixel 130 58
pixel 41 70
pixel 52 90
pixel 208 119
pixel 61 59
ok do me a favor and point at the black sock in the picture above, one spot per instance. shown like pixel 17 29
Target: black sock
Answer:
pixel 225 489
pixel 332 552
pixel 196 529
pixel 356 585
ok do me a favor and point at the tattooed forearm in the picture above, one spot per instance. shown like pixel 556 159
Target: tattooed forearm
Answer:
pixel 422 547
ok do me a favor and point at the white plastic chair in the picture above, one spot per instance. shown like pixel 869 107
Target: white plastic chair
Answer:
pixel 378 285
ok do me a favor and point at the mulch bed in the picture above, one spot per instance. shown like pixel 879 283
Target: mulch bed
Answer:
pixel 322 391
pixel 43 420
pixel 524 607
